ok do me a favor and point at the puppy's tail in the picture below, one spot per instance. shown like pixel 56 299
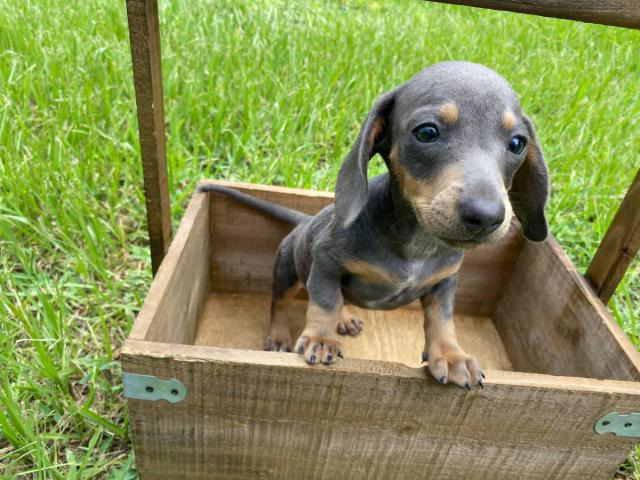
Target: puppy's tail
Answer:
pixel 288 215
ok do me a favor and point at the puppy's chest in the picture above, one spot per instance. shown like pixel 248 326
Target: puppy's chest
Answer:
pixel 392 283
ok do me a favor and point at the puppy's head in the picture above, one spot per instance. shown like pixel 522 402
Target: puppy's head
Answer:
pixel 462 152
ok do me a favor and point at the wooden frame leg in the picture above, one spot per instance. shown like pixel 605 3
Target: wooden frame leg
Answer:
pixel 619 246
pixel 144 35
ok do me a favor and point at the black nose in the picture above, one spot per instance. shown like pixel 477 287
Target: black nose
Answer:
pixel 481 217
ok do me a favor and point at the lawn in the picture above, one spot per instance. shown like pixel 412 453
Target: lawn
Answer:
pixel 260 91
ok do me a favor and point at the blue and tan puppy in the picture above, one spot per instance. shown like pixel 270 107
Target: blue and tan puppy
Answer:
pixel 462 158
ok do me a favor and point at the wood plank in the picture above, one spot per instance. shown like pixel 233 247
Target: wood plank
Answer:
pixel 173 305
pixel 551 321
pixel 268 415
pixel 619 246
pixel 621 13
pixel 144 36
pixel 241 321
pixel 245 242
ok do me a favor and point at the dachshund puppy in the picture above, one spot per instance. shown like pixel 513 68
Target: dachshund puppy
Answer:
pixel 462 158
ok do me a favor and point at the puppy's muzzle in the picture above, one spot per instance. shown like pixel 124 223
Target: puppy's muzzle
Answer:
pixel 481 217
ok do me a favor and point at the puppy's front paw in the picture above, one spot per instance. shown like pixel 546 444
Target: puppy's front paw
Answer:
pixel 349 325
pixel 316 349
pixel 278 339
pixel 449 363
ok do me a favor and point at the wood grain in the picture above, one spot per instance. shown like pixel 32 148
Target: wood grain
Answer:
pixel 144 36
pixel 551 321
pixel 621 13
pixel 254 415
pixel 241 321
pixel 245 242
pixel 174 302
pixel 619 246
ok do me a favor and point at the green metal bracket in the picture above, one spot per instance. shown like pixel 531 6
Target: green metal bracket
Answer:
pixel 618 424
pixel 148 387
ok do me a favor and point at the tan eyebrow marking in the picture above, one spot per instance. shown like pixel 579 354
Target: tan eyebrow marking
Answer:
pixel 508 120
pixel 449 112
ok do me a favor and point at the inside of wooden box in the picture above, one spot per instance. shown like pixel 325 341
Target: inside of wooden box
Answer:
pixel 519 305
pixel 240 320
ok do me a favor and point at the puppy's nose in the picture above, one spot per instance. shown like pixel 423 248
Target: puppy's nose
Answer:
pixel 481 217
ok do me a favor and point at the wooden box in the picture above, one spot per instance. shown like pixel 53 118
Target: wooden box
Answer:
pixel 555 362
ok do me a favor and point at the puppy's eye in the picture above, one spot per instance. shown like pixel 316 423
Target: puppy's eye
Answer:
pixel 517 144
pixel 426 133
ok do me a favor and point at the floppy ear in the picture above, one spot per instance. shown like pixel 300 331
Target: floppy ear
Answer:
pixel 530 188
pixel 352 185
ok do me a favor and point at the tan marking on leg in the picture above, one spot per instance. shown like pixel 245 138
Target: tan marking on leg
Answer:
pixel 449 113
pixel 368 271
pixel 289 294
pixel 321 322
pixel 508 120
pixel 447 361
pixel 318 342
pixel 279 337
pixel 440 275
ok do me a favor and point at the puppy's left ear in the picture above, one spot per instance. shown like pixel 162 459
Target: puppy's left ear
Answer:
pixel 530 189
pixel 352 186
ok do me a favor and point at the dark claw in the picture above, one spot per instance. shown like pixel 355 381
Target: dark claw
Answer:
pixel 480 383
pixel 301 349
pixel 467 386
pixel 425 357
pixel 288 349
pixel 482 373
pixel 329 358
pixel 278 346
pixel 340 354
pixel 312 359
pixel 442 380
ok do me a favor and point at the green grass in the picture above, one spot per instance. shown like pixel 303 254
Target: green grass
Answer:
pixel 263 91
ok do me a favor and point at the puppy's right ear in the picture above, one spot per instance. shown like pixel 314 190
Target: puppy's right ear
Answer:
pixel 352 186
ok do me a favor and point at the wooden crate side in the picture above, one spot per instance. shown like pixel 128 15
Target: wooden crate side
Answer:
pixel 244 243
pixel 552 322
pixel 172 307
pixel 266 415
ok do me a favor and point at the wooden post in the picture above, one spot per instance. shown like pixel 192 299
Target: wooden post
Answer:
pixel 619 246
pixel 144 35
pixel 620 13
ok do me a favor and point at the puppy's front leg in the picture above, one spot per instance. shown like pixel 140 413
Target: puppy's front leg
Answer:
pixel 318 342
pixel 447 361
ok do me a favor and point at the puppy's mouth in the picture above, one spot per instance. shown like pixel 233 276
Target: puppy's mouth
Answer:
pixel 472 242
pixel 461 244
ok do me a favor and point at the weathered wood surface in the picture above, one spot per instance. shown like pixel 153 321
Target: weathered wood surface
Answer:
pixel 173 305
pixel 551 321
pixel 619 246
pixel 144 36
pixel 621 13
pixel 254 415
pixel 244 243
pixel 241 321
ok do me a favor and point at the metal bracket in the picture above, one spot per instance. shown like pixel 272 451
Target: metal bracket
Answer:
pixel 148 387
pixel 620 425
